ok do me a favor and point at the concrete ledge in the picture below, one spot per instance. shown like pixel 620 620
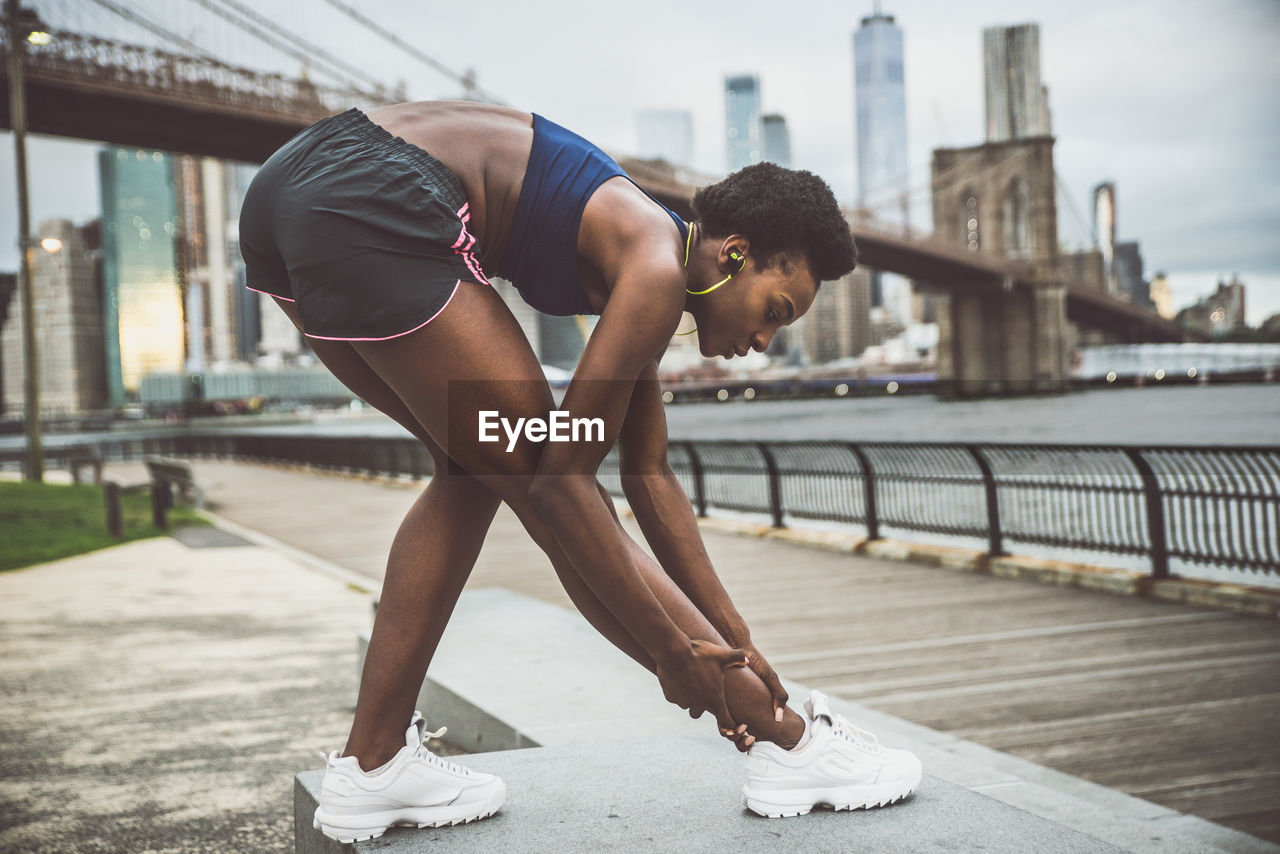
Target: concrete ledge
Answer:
pixel 1246 599
pixel 512 671
pixel 685 794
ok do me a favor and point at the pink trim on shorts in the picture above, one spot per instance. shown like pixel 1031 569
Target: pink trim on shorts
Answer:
pixel 465 243
pixel 268 293
pixel 452 293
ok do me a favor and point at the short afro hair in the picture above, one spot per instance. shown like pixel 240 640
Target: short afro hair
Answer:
pixel 783 212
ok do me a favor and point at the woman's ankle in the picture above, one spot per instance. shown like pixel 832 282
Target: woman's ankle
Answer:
pixel 788 733
pixel 793 729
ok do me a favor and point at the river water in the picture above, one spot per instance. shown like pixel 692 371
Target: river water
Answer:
pixel 1172 415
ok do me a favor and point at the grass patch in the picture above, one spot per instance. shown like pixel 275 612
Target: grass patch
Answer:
pixel 41 522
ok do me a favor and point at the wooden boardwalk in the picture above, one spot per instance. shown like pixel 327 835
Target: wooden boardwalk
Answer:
pixel 1175 704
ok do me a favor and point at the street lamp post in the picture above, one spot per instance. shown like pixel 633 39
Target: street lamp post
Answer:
pixel 18 121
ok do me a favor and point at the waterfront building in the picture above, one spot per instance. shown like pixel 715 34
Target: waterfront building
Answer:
pixel 142 288
pixel 1017 103
pixel 68 318
pixel 777 139
pixel 1084 266
pixel 663 134
pixel 211 298
pixel 247 307
pixel 1160 295
pixel 743 144
pixel 1218 314
pixel 839 325
pixel 1130 283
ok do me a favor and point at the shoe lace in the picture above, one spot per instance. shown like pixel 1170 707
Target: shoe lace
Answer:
pixel 856 735
pixel 423 752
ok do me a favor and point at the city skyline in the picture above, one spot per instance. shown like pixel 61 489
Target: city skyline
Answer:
pixel 1190 96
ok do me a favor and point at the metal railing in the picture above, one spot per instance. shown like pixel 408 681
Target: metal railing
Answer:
pixel 1215 505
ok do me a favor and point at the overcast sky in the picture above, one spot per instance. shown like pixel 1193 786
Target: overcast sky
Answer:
pixel 1177 102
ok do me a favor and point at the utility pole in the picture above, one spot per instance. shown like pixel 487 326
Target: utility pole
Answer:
pixel 18 121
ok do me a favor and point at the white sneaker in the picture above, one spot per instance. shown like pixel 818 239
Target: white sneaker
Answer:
pixel 415 788
pixel 841 766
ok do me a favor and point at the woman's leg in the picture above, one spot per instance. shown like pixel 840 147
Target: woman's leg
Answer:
pixel 477 341
pixel 431 558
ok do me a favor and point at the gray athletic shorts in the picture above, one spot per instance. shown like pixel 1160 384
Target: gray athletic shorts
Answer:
pixel 364 231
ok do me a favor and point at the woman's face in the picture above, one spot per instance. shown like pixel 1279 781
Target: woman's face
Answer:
pixel 744 313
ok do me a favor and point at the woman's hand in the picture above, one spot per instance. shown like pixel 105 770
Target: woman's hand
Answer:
pixel 741 738
pixel 761 668
pixel 695 680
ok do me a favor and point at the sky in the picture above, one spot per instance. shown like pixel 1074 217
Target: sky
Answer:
pixel 1177 102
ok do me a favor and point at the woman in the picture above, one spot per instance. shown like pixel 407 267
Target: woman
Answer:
pixel 378 251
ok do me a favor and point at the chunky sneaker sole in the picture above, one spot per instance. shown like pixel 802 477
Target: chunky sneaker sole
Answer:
pixel 372 826
pixel 801 802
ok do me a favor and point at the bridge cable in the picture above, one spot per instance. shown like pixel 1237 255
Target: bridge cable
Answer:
pixel 1075 209
pixel 467 81
pixel 300 55
pixel 155 28
pixel 378 85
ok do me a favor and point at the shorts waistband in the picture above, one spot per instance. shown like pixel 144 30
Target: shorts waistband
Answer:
pixel 354 124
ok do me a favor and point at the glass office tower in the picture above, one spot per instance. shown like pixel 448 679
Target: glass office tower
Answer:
pixel 142 293
pixel 880 97
pixel 742 120
pixel 881 107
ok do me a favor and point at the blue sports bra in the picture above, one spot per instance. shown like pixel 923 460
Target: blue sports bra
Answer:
pixel 541 257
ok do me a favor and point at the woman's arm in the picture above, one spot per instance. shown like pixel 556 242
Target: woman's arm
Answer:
pixel 664 512
pixel 641 314
pixel 665 515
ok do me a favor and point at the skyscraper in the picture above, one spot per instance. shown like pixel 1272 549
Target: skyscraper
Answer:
pixel 742 120
pixel 246 305
pixel 142 295
pixel 68 313
pixel 880 104
pixel 1130 281
pixel 777 140
pixel 665 135
pixel 1104 231
pixel 838 325
pixel 881 109
pixel 1017 102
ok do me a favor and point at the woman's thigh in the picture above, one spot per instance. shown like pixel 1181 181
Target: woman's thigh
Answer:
pixel 470 358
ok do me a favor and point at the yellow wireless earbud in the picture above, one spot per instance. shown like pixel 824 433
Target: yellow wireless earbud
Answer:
pixel 736 257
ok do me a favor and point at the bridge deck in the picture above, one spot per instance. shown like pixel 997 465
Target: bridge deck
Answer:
pixel 1171 703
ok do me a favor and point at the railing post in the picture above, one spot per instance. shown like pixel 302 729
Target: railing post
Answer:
pixel 699 489
pixel 868 492
pixel 1155 513
pixel 115 518
pixel 995 544
pixel 775 486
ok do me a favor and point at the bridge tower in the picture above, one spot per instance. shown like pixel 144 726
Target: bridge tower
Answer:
pixel 998 198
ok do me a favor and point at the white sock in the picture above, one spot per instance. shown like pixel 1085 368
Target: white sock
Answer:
pixel 804 736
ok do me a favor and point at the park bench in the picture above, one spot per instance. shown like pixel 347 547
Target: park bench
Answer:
pixel 167 477
pixel 81 458
pixel 179 476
